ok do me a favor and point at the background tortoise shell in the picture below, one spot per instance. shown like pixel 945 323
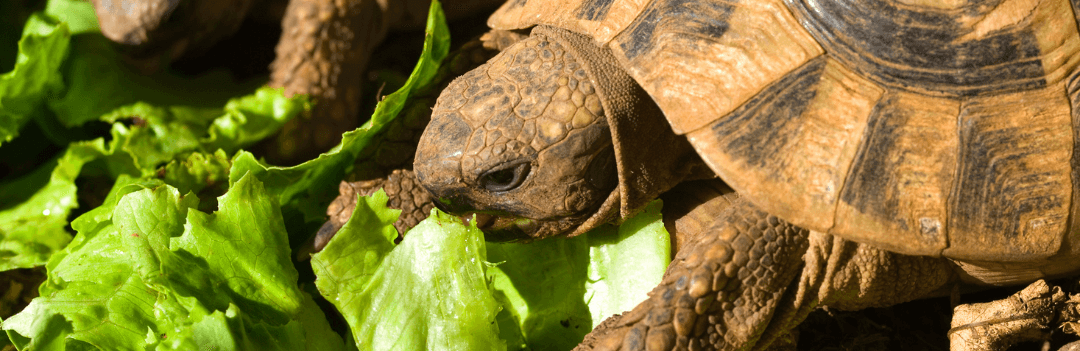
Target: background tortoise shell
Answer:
pixel 922 127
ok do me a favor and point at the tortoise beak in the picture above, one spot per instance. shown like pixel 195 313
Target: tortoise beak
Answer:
pixel 496 228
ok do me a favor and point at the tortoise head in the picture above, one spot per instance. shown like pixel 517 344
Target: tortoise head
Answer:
pixel 522 142
pixel 529 144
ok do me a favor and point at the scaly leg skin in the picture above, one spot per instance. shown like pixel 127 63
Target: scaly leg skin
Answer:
pixel 754 277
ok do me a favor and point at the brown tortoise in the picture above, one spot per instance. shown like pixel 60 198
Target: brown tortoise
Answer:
pixel 919 143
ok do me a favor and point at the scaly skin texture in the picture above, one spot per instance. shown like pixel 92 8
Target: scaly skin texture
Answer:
pixel 1024 316
pixel 723 290
pixel 324 50
pixel 395 148
pixel 510 127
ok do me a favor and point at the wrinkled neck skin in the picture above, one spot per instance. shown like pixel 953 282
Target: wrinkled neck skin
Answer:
pixel 525 142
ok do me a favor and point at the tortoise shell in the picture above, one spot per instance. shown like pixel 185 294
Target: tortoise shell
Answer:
pixel 941 128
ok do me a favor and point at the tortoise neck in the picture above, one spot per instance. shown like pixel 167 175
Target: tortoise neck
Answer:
pixel 650 157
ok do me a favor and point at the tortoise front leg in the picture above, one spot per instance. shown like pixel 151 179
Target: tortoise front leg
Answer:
pixel 754 277
pixel 720 292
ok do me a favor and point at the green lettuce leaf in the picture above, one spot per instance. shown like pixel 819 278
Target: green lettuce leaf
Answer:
pixel 551 292
pixel 78 14
pixel 557 290
pixel 23 91
pixel 148 270
pixel 626 262
pixel 98 81
pixel 143 136
pixel 67 74
pixel 32 224
pixel 160 134
pixel 427 293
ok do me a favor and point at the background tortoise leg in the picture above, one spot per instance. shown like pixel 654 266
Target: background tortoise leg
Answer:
pixel 745 284
pixel 845 275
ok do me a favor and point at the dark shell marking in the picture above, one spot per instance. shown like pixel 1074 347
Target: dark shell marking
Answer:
pixel 938 51
pixel 703 18
pixel 593 10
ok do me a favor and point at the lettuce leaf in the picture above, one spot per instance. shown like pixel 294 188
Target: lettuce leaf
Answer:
pixel 437 285
pixel 148 270
pixel 427 293
pixel 557 290
pixel 67 72
pixel 31 230
pixel 42 50
pixel 65 77
pixel 32 225
pixel 77 14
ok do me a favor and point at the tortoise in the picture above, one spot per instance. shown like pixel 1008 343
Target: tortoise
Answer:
pixel 884 150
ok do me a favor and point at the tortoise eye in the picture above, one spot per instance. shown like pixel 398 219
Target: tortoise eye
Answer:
pixel 505 179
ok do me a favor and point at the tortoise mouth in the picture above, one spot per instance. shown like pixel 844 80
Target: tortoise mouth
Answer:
pixel 502 228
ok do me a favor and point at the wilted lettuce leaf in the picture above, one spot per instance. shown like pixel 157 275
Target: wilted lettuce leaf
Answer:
pixel 555 291
pixel 427 293
pixel 148 270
